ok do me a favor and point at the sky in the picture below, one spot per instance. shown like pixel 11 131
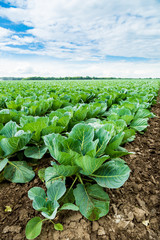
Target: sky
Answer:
pixel 105 38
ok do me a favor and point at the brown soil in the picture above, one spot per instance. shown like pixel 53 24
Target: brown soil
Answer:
pixel 134 211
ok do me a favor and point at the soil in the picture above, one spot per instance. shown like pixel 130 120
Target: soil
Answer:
pixel 134 211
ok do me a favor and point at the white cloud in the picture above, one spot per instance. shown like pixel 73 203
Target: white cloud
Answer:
pixel 119 28
pixel 4 33
pixel 39 67
pixel 18 3
pixel 86 30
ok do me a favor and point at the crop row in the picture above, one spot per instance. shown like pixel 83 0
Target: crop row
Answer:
pixel 84 136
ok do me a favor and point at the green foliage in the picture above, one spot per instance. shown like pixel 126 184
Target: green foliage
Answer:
pixel 36 126
pixel 47 204
pixel 5 116
pixel 18 172
pixel 33 228
pixel 112 174
pixel 89 164
pixel 84 128
pixel 58 227
pixel 59 172
pixel 35 152
pixel 139 124
pixel 12 140
pixel 41 174
pixel 3 163
pixel 92 201
pixel 69 206
pixel 82 136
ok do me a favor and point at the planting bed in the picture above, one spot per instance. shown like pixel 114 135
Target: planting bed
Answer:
pixel 133 214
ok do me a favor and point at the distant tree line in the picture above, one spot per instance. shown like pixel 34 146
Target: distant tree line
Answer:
pixel 54 78
pixel 65 78
pixel 10 78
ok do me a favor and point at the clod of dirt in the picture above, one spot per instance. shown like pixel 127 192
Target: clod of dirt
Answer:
pixel 95 226
pixel 118 218
pixel 18 237
pixel 101 231
pixel 74 217
pixel 72 225
pixel 131 225
pixel 23 214
pixel 154 199
pixel 114 209
pixel 123 224
pixel 87 236
pixel 139 214
pixel 15 229
pixel 130 216
pixel 152 235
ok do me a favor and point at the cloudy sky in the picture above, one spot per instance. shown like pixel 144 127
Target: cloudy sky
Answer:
pixel 118 38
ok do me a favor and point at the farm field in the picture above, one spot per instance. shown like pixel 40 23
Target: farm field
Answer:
pixel 92 146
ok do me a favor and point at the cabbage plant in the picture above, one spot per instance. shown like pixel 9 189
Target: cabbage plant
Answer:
pixel 81 158
pixel 12 141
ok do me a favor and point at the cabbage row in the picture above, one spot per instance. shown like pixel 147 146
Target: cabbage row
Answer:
pixel 83 127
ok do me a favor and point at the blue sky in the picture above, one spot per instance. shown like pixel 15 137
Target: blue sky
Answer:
pixel 80 37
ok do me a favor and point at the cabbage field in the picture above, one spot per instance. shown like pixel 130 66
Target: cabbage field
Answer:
pixel 83 126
